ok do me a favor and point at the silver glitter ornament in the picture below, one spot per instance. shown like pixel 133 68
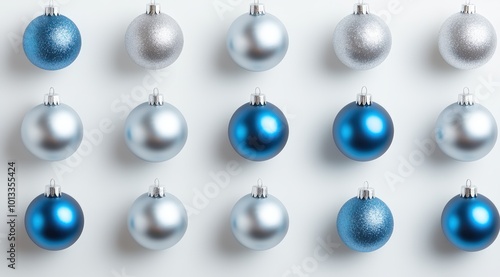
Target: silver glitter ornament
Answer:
pixel 52 131
pixel 362 40
pixel 257 41
pixel 467 40
pixel 259 221
pixel 155 131
pixel 466 131
pixel 157 220
pixel 154 40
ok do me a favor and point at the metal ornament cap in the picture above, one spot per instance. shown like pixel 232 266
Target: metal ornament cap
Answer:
pixel 156 99
pixel 257 9
pixel 156 191
pixel 366 192
pixel 468 9
pixel 153 9
pixel 468 191
pixel 361 9
pixel 257 98
pixel 466 98
pixel 259 191
pixel 52 190
pixel 51 99
pixel 363 98
pixel 51 11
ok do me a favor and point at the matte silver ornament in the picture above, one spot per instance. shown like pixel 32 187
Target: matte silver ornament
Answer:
pixel 257 41
pixel 154 40
pixel 157 220
pixel 155 131
pixel 466 131
pixel 467 40
pixel 259 221
pixel 52 131
pixel 362 40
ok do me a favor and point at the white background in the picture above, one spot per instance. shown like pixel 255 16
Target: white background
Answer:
pixel 309 176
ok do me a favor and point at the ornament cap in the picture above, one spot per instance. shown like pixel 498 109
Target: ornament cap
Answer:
pixel 468 8
pixel 52 190
pixel 155 191
pixel 366 192
pixel 156 99
pixel 468 191
pixel 363 98
pixel 51 99
pixel 257 8
pixel 259 191
pixel 257 98
pixel 153 8
pixel 361 8
pixel 50 10
pixel 466 98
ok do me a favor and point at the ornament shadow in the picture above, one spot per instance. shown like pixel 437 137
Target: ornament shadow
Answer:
pixel 330 61
pixel 123 155
pixel 342 252
pixel 224 63
pixel 123 63
pixel 19 63
pixel 330 153
pixel 440 244
pixel 436 60
pixel 226 242
pixel 125 244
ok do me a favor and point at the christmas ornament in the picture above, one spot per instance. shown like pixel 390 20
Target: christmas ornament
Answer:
pixel 259 221
pixel 466 131
pixel 52 131
pixel 54 221
pixel 470 221
pixel 257 41
pixel 258 131
pixel 363 130
pixel 362 40
pixel 365 223
pixel 157 220
pixel 154 40
pixel 467 40
pixel 52 41
pixel 155 131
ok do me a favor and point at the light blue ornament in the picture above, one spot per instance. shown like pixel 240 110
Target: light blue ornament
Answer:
pixel 157 220
pixel 363 130
pixel 365 223
pixel 54 221
pixel 470 221
pixel 52 41
pixel 259 221
pixel 258 131
pixel 155 131
pixel 257 41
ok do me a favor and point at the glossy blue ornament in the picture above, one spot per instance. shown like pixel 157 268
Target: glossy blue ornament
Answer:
pixel 365 223
pixel 470 221
pixel 258 131
pixel 363 130
pixel 54 221
pixel 52 41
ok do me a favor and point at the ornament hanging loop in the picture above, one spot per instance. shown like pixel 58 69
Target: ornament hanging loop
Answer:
pixel 466 98
pixel 155 191
pixel 51 99
pixel 468 191
pixel 363 98
pixel 257 98
pixel 366 192
pixel 259 191
pixel 52 190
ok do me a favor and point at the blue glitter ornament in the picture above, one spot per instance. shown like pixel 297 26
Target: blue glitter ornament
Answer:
pixel 52 41
pixel 470 221
pixel 365 223
pixel 54 221
pixel 258 131
pixel 363 130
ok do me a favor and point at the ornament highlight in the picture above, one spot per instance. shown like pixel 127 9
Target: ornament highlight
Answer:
pixel 365 223
pixel 52 41
pixel 362 40
pixel 155 131
pixel 52 131
pixel 467 40
pixel 363 130
pixel 154 40
pixel 259 221
pixel 466 131
pixel 257 41
pixel 470 221
pixel 157 220
pixel 54 221
pixel 258 131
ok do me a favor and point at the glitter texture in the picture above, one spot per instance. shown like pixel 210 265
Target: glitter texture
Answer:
pixel 467 41
pixel 365 225
pixel 154 41
pixel 362 41
pixel 52 42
